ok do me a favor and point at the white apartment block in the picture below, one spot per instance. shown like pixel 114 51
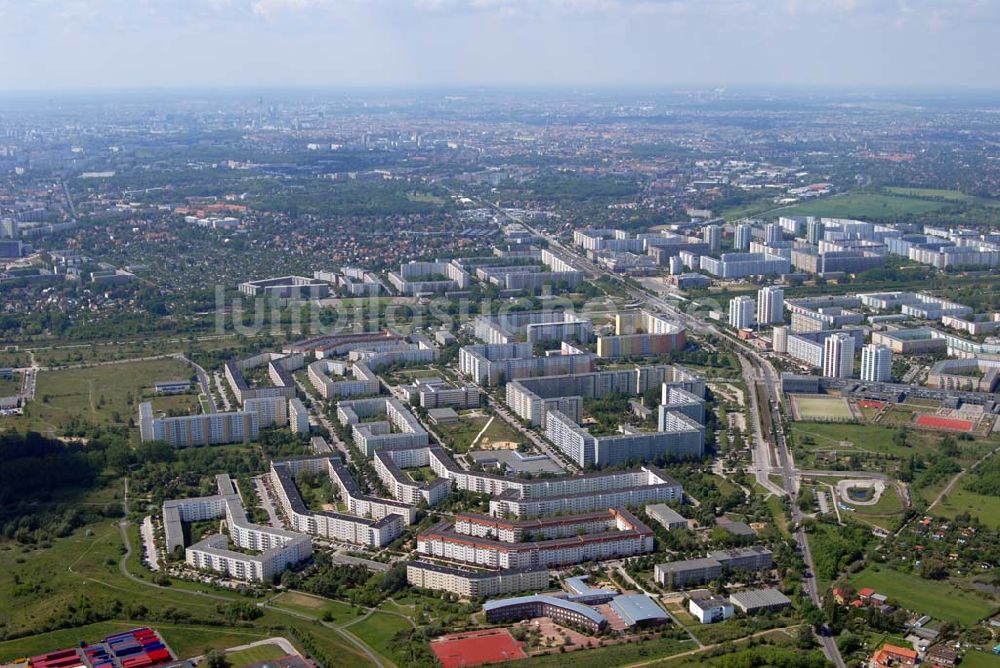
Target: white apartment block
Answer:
pixel 622 535
pixel 770 305
pixel 276 548
pixel 371 531
pixel 207 429
pixel 298 417
pixel 838 356
pixel 358 379
pixel 472 583
pixel 876 363
pixel 389 465
pixel 741 312
pixel 270 411
pixel 400 429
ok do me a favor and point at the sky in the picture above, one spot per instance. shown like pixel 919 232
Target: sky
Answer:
pixel 862 44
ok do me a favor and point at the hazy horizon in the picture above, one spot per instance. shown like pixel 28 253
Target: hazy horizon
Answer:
pixel 71 45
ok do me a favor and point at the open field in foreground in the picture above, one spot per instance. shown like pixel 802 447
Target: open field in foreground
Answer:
pixel 940 599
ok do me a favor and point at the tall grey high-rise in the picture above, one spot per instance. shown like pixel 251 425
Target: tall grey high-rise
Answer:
pixel 838 356
pixel 876 363
pixel 712 235
pixel 743 236
pixel 741 312
pixel 814 230
pixel 773 234
pixel 770 305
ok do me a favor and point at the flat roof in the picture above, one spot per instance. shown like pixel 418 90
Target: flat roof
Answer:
pixel 759 598
pixel 637 608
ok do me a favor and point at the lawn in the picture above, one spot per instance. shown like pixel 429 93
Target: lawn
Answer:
pixel 823 408
pixel 99 395
pixel 378 629
pixel 848 437
pixel 882 513
pixel 336 611
pixel 499 431
pixel 940 599
pixel 974 659
pixel 864 205
pixel 459 435
pixel 246 657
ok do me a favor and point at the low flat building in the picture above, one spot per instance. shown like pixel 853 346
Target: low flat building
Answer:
pixel 667 516
pixel 752 601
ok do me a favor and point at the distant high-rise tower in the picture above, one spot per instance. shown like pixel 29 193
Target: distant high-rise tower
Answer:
pixel 779 340
pixel 876 363
pixel 744 234
pixel 741 312
pixel 770 305
pixel 814 231
pixel 712 235
pixel 773 234
pixel 838 356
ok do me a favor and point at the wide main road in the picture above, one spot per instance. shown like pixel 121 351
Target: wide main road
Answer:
pixel 770 454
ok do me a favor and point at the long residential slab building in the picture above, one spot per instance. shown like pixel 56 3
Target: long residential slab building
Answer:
pixel 372 521
pixel 534 497
pixel 275 548
pixel 565 540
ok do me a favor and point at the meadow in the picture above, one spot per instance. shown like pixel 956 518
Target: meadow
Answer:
pixel 940 599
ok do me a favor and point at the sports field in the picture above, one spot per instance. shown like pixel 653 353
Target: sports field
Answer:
pixel 928 421
pixel 817 408
pixel 473 649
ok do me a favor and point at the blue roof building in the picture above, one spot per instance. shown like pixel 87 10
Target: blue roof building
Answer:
pixel 560 610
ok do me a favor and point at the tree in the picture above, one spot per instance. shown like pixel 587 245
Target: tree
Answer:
pixel 216 658
pixel 804 639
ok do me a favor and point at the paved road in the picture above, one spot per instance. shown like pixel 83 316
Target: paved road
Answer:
pixel 202 380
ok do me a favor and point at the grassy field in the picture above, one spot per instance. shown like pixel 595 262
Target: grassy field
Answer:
pixel 941 600
pixel 460 434
pixel 98 395
pixel 378 629
pixel 246 657
pixel 40 588
pixel 614 655
pixel 335 611
pixel 865 205
pixel 186 403
pixel 871 438
pixel 883 513
pixel 961 500
pixel 933 193
pixel 10 386
pixel 823 408
pixel 975 659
